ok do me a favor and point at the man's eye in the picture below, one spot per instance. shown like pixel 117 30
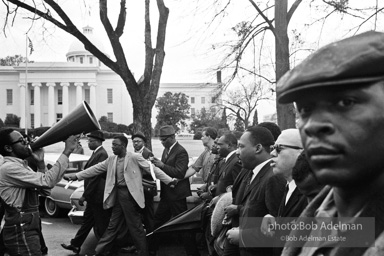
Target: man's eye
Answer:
pixel 345 103
pixel 304 109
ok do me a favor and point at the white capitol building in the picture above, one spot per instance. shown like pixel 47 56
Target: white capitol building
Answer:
pixel 54 89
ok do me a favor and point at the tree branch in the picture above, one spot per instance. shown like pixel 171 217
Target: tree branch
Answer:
pixel 121 21
pixel 269 22
pixel 293 9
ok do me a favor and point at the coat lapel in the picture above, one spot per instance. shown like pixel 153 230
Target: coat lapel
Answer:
pixel 256 181
pixel 291 201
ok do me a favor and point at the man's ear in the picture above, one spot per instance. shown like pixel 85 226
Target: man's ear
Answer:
pixel 258 148
pixel 8 148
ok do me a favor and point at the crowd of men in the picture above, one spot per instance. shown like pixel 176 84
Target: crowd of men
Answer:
pixel 328 168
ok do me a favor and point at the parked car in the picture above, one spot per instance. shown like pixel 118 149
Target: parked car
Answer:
pixel 60 194
pixel 77 211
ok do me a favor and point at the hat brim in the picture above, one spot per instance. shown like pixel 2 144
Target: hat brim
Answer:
pixel 293 94
pixel 138 136
pixel 95 137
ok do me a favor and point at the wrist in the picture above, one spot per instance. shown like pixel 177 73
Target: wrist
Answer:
pixel 67 152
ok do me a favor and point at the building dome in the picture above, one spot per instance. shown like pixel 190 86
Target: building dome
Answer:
pixel 78 53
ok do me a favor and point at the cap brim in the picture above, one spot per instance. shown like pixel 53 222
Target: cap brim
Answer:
pixel 293 94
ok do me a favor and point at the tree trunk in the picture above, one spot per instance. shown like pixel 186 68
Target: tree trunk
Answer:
pixel 286 112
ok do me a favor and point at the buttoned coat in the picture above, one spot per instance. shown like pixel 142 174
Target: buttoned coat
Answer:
pixel 262 198
pixel 94 187
pixel 228 173
pixel 134 164
pixel 176 165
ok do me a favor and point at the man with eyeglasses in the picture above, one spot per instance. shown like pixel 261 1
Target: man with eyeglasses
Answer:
pixel 174 162
pixel 94 215
pixel 19 189
pixel 339 92
pixel 257 192
pixel 284 154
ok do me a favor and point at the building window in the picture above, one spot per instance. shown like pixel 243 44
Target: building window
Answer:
pixel 202 100
pixel 213 110
pixel 9 96
pixel 59 116
pixel 192 112
pixel 81 60
pixel 90 60
pixel 110 117
pixel 110 96
pixel 192 100
pixel 213 99
pixel 32 97
pixel 32 120
pixel 87 96
pixel 59 96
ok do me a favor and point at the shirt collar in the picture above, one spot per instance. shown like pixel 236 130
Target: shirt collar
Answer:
pixel 170 148
pixel 140 150
pixel 291 187
pixel 229 155
pixel 16 160
pixel 257 169
pixel 97 149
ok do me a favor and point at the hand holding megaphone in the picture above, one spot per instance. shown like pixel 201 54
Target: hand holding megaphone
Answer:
pixel 70 144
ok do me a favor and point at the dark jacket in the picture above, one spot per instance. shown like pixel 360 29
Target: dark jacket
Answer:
pixel 94 187
pixel 176 165
pixel 228 173
pixel 262 198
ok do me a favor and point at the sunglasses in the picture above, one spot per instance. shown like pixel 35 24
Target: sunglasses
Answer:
pixel 165 138
pixel 22 140
pixel 279 147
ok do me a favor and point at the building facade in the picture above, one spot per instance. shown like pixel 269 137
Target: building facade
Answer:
pixel 42 93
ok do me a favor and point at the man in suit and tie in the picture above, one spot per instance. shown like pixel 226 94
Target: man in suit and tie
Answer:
pixel 94 215
pixel 227 145
pixel 257 192
pixel 284 154
pixel 124 192
pixel 174 162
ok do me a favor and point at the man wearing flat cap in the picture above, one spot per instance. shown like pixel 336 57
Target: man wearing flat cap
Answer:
pixel 94 215
pixel 339 92
pixel 174 162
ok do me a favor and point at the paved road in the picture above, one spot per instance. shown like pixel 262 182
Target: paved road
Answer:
pixel 61 230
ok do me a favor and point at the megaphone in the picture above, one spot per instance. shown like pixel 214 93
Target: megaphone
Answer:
pixel 80 120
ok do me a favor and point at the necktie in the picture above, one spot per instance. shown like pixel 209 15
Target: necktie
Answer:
pixel 249 180
pixel 282 203
pixel 166 153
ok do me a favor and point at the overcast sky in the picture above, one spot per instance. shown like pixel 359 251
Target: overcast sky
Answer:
pixel 189 40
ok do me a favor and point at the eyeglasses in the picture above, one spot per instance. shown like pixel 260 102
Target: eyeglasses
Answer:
pixel 279 147
pixel 165 138
pixel 22 140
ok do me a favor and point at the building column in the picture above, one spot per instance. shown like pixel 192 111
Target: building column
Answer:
pixel 23 118
pixel 79 93
pixel 65 99
pixel 37 102
pixel 51 104
pixel 92 96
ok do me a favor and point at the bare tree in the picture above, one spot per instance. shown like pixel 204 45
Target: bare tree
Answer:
pixel 262 22
pixel 242 103
pixel 143 92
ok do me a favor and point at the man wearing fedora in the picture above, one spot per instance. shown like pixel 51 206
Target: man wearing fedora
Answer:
pixel 174 162
pixel 94 215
